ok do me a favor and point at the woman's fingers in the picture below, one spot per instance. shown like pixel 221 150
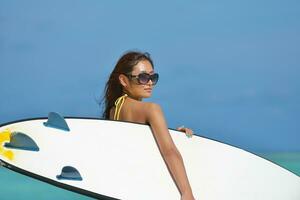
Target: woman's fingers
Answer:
pixel 187 131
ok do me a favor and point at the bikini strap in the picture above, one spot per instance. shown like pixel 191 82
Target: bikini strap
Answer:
pixel 119 103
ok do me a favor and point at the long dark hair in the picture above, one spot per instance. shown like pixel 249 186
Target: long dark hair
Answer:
pixel 113 88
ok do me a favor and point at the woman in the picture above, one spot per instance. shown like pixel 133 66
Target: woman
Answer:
pixel 132 80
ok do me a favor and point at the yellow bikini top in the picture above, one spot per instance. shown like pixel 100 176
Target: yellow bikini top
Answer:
pixel 119 103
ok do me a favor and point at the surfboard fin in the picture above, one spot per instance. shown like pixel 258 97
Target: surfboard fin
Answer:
pixel 69 173
pixel 21 141
pixel 56 121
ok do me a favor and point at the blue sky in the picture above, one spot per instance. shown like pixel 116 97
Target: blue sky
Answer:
pixel 228 69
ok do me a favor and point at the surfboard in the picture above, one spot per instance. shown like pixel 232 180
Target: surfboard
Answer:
pixel 107 159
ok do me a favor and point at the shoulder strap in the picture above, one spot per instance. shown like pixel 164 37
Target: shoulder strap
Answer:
pixel 119 103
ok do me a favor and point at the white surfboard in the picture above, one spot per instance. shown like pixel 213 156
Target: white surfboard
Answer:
pixel 107 159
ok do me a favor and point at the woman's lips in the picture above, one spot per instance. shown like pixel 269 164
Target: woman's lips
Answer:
pixel 148 90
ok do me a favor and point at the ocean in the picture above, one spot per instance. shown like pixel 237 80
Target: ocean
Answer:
pixel 14 186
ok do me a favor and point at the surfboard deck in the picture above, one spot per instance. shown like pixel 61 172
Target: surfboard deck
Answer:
pixel 121 160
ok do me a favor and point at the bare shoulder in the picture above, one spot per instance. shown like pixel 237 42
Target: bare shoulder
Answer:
pixel 146 106
pixel 151 107
pixel 143 112
pixel 152 110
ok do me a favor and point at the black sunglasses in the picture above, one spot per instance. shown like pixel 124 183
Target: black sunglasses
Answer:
pixel 144 78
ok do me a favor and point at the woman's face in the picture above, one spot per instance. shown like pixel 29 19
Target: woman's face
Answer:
pixel 133 87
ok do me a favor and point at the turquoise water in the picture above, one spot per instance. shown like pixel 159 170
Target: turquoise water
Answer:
pixel 287 160
pixel 14 186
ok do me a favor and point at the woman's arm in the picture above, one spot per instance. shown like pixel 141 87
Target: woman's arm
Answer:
pixel 168 149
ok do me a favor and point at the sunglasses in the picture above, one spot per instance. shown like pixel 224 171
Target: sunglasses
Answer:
pixel 144 78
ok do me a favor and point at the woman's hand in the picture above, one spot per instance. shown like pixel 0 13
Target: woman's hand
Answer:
pixel 189 132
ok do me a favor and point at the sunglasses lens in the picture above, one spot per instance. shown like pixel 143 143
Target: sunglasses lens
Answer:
pixel 154 78
pixel 144 78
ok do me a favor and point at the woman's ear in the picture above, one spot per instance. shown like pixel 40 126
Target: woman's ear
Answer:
pixel 123 80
